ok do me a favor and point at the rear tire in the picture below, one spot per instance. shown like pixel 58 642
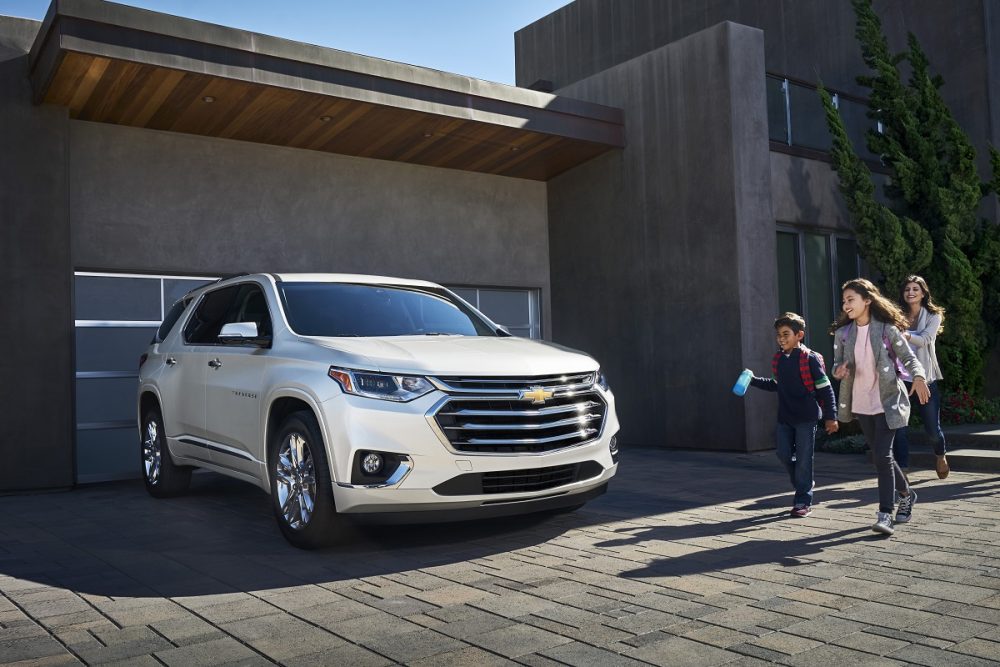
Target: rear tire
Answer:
pixel 301 490
pixel 162 476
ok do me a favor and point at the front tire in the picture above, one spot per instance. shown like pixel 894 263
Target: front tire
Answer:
pixel 301 491
pixel 162 476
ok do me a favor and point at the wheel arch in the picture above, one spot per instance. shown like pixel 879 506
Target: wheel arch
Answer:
pixel 286 402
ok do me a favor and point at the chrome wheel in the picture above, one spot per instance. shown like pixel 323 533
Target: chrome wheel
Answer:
pixel 295 481
pixel 151 452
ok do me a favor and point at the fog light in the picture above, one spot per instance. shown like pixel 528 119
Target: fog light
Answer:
pixel 371 463
pixel 613 445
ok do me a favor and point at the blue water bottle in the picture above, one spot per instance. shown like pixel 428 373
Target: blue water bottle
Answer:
pixel 742 382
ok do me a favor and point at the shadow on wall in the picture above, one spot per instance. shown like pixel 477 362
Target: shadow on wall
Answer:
pixel 800 185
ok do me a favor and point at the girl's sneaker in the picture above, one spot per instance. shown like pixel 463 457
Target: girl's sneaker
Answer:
pixel 905 509
pixel 801 511
pixel 883 523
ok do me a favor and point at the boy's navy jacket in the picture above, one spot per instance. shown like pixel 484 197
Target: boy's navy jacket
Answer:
pixel 796 404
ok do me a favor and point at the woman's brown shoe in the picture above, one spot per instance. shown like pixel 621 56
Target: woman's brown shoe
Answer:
pixel 942 467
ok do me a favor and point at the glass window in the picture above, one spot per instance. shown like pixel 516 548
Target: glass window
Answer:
pixel 102 400
pixel 847 262
pixel 811 268
pixel 515 309
pixel 118 299
pixel 209 316
pixel 251 306
pixel 115 349
pixel 819 293
pixel 175 288
pixel 857 123
pixel 777 110
pixel 170 320
pixel 788 273
pixel 808 118
pixel 510 307
pixel 343 309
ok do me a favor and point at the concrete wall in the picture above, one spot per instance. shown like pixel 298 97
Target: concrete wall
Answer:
pixel 663 254
pixel 141 199
pixel 36 336
pixel 804 39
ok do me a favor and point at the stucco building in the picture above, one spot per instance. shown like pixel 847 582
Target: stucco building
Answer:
pixel 652 191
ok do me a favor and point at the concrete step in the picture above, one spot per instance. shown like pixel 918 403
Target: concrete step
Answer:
pixel 965 435
pixel 971 448
pixel 960 460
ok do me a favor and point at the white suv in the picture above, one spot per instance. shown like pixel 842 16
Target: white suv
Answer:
pixel 378 398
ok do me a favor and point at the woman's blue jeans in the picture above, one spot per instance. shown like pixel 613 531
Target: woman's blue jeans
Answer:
pixel 930 414
pixel 798 440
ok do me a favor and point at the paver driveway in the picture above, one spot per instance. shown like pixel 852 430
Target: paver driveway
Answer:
pixel 689 559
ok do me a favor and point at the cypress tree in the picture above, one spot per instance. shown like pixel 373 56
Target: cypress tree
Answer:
pixel 934 186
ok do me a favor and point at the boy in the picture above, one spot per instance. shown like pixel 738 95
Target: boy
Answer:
pixel 804 395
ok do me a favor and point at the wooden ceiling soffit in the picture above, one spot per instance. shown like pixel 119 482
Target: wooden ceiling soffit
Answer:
pixel 118 64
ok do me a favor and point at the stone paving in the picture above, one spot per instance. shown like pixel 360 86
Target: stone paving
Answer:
pixel 690 559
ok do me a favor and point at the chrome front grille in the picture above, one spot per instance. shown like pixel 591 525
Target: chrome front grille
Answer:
pixel 520 415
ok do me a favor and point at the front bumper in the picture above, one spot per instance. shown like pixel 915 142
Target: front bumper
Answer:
pixel 354 424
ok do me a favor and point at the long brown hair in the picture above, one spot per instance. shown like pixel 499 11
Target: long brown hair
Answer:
pixel 927 302
pixel 881 308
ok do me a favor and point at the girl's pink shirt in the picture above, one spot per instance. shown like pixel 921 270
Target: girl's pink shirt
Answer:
pixel 865 399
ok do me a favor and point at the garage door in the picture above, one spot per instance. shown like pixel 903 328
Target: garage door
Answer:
pixel 116 316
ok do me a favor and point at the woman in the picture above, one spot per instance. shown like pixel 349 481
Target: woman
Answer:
pixel 924 324
pixel 867 343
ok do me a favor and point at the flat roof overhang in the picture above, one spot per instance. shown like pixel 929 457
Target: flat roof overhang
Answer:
pixel 117 64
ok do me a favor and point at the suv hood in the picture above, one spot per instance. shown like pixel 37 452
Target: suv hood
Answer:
pixel 461 355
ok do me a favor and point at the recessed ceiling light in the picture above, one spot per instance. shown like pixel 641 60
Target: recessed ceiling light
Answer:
pixel 427 135
pixel 208 99
pixel 324 119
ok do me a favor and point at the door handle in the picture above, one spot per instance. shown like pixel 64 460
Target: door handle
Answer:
pixel 215 363
pixel 170 361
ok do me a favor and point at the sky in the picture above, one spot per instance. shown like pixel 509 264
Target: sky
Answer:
pixel 470 37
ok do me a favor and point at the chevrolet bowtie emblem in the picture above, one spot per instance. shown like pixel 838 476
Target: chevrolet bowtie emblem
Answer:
pixel 537 394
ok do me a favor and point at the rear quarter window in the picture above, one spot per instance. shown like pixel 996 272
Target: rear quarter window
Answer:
pixel 170 320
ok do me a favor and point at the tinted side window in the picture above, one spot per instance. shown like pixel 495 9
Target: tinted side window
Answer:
pixel 251 306
pixel 170 320
pixel 208 318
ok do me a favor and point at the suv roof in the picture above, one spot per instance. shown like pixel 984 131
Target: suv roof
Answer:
pixel 349 278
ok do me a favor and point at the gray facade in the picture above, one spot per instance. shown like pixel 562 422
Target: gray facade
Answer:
pixel 675 226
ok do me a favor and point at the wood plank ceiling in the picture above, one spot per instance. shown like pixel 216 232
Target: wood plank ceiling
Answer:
pixel 140 94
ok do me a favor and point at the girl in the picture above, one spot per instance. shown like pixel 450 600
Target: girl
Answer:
pixel 867 342
pixel 925 319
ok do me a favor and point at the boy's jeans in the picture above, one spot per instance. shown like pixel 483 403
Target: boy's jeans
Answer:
pixel 930 413
pixel 800 440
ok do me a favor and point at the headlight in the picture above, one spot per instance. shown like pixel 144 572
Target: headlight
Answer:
pixel 399 388
pixel 602 381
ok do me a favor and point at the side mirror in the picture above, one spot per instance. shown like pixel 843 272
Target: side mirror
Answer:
pixel 242 332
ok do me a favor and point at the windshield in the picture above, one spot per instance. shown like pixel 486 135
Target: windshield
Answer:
pixel 345 309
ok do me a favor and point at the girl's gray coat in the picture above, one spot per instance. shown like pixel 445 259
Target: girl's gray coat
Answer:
pixel 891 390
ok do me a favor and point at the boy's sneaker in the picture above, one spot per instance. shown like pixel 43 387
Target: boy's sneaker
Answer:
pixel 905 508
pixel 883 523
pixel 801 511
